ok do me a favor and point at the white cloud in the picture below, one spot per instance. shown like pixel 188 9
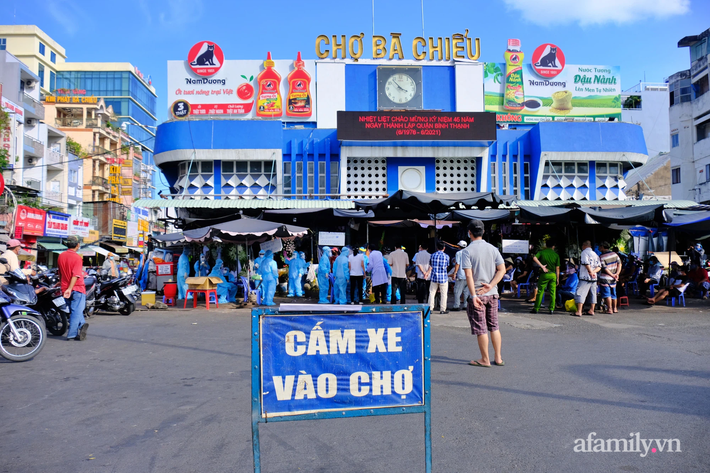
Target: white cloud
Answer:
pixel 595 12
pixel 181 12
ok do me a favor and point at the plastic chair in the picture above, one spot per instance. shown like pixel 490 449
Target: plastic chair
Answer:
pixel 681 298
pixel 245 287
pixel 623 301
pixel 169 300
pixel 507 278
pixel 525 285
pixel 632 284
pixel 196 292
pixel 652 288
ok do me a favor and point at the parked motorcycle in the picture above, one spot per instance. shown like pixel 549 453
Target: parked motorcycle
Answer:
pixel 112 295
pixel 49 303
pixel 22 331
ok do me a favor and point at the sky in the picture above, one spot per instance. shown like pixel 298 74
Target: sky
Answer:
pixel 641 36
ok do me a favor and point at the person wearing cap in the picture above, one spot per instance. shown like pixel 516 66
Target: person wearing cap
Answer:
pixel 110 265
pixel 13 262
pixel 608 276
pixel 549 262
pixel 71 275
pixel 460 286
pixel 484 268
pixel 398 260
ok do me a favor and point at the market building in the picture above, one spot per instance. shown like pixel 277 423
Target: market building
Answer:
pixel 368 128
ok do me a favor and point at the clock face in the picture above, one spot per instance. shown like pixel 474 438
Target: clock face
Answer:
pixel 400 88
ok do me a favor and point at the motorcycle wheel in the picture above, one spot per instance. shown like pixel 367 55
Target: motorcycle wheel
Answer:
pixel 32 336
pixel 57 323
pixel 127 309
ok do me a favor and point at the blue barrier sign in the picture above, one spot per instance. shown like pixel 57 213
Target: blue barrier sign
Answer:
pixel 335 362
pixel 325 364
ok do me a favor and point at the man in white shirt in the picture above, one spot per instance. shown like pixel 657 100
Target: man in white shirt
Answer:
pixel 460 286
pixel 398 260
pixel 357 271
pixel 589 266
pixel 422 259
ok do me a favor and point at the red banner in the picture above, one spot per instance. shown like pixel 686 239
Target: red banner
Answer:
pixel 221 108
pixel 31 220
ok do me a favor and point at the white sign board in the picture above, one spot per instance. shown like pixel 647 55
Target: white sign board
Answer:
pixel 230 91
pixel 331 238
pixel 79 226
pixel 274 245
pixel 516 247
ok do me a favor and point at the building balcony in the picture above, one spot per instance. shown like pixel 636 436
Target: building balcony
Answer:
pixel 33 147
pixel 33 107
pixel 55 160
pixel 701 149
pixel 33 184
pixel 92 122
pixel 100 184
pixel 101 152
pixel 701 105
pixel 53 197
pixel 68 122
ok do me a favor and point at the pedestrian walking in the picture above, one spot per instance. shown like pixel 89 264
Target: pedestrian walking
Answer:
pixel 421 259
pixel 460 286
pixel 484 268
pixel 357 272
pixel 589 266
pixel 399 260
pixel 439 279
pixel 71 275
pixel 608 276
pixel 549 262
pixel 378 273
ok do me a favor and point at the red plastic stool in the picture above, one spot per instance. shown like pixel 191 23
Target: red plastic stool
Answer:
pixel 206 293
pixel 623 299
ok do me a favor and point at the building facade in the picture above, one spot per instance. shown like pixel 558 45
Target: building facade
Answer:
pixel 690 123
pixel 647 105
pixel 371 127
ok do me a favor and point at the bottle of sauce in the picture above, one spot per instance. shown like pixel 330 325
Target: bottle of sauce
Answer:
pixel 268 100
pixel 298 101
pixel 513 95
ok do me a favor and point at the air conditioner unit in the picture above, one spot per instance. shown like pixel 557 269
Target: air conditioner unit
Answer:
pixel 31 160
pixel 30 83
pixel 31 122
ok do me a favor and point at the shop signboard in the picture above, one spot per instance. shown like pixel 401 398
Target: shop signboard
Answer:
pixel 519 247
pixel 554 90
pixel 30 220
pixel 411 125
pixel 274 245
pixel 119 230
pixel 93 236
pixel 331 238
pixel 57 225
pixel 230 89
pixel 79 226
pixel 313 362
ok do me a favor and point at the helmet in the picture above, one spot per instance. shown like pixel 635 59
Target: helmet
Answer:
pixel 463 244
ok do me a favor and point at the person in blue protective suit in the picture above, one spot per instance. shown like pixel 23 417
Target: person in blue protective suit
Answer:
pixel 201 266
pixel 303 270
pixel 183 272
pixel 294 275
pixel 323 274
pixel 257 261
pixel 341 270
pixel 225 290
pixel 388 270
pixel 364 279
pixel 269 278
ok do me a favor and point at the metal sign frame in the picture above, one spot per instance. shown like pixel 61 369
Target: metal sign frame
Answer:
pixel 256 377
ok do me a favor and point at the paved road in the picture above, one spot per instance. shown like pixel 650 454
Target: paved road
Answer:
pixel 169 391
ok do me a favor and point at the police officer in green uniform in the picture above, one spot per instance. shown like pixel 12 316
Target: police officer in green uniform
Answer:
pixel 549 261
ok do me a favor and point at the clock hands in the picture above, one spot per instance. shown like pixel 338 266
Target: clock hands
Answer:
pixel 400 87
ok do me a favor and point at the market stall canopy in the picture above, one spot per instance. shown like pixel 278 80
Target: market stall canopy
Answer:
pixel 413 223
pixel 51 246
pixel 548 215
pixel 241 230
pixel 326 211
pixel 114 247
pixel 628 215
pixel 696 223
pixel 488 215
pixel 433 202
pixel 99 250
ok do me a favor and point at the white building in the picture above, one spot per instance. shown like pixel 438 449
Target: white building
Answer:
pixel 690 123
pixel 646 104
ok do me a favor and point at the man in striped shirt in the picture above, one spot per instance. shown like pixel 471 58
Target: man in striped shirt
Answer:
pixel 439 277
pixel 611 268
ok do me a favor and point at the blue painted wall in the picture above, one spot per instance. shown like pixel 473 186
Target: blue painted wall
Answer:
pixel 219 134
pixel 439 88
pixel 591 137
pixel 393 172
pixel 361 87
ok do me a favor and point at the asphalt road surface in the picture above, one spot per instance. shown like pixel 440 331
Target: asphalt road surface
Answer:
pixel 170 391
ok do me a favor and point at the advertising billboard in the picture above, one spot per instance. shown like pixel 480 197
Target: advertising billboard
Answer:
pixel 209 84
pixel 549 89
pixel 30 220
pixel 57 225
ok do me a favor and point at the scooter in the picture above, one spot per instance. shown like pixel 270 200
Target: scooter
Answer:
pixel 22 331
pixel 49 302
pixel 113 295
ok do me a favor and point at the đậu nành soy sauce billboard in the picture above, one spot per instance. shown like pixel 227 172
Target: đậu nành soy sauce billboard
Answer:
pixel 551 89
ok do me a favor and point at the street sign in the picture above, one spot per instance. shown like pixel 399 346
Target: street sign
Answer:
pixel 318 363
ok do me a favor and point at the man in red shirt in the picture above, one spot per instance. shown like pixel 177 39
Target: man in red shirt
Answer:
pixel 698 278
pixel 71 273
